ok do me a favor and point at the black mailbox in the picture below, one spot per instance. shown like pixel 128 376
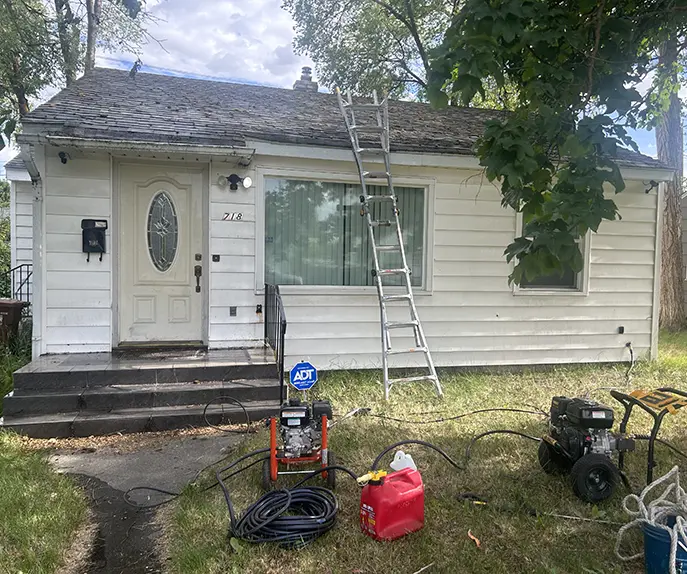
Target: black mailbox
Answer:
pixel 93 236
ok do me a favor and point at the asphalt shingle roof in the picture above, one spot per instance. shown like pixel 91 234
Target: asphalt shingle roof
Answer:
pixel 15 163
pixel 109 104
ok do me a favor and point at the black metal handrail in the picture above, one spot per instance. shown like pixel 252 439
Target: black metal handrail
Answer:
pixel 275 330
pixel 20 283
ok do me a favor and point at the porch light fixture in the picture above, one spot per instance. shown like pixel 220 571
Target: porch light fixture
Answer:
pixel 233 180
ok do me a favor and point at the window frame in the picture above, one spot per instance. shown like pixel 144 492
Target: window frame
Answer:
pixel 582 288
pixel 262 172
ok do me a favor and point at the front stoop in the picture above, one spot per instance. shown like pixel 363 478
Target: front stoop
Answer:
pixel 97 394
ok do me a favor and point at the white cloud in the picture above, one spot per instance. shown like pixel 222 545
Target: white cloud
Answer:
pixel 241 40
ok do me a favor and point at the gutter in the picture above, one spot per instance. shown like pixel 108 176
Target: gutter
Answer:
pixel 244 154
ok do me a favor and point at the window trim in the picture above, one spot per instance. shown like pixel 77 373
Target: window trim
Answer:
pixel 262 172
pixel 582 289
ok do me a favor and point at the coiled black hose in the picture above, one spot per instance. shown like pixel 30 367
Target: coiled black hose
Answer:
pixel 293 517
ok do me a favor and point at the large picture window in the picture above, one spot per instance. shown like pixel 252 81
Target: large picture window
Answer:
pixel 315 235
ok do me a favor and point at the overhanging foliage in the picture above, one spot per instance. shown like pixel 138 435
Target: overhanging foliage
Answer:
pixel 574 69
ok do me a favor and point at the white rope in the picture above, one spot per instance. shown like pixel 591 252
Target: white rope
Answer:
pixel 671 503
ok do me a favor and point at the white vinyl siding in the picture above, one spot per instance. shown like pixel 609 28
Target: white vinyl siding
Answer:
pixel 78 297
pixel 232 278
pixel 21 229
pixel 472 316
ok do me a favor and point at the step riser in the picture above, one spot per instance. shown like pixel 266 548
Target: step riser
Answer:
pixel 160 422
pixel 61 380
pixel 102 400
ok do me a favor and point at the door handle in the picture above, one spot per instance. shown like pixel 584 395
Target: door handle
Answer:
pixel 198 272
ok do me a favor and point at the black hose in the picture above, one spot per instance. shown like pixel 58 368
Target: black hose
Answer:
pixel 377 460
pixel 460 416
pixel 293 517
pixel 233 401
pixel 664 443
pixel 468 450
pixel 174 495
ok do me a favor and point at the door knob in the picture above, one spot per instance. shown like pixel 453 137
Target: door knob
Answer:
pixel 198 272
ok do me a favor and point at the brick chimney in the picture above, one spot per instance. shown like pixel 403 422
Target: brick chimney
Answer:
pixel 305 84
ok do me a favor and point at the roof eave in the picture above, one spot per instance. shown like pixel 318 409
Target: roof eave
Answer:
pixel 243 153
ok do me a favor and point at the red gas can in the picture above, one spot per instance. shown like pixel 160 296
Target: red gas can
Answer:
pixel 393 505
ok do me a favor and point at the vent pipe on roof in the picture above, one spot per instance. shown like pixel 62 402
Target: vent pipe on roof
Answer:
pixel 305 84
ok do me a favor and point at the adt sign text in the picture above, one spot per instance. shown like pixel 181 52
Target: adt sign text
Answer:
pixel 303 376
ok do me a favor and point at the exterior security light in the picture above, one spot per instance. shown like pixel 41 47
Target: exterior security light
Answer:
pixel 233 180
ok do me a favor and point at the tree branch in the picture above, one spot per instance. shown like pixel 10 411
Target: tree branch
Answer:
pixel 595 50
pixel 416 36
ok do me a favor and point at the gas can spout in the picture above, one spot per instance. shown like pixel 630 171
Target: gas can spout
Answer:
pixel 372 475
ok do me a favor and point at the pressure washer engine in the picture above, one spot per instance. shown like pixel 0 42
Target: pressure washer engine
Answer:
pixel 302 428
pixel 581 444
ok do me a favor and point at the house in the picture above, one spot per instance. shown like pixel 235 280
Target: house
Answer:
pixel 187 253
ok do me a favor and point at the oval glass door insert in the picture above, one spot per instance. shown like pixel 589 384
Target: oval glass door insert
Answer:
pixel 163 231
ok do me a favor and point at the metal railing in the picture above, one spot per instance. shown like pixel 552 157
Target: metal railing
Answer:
pixel 275 330
pixel 20 282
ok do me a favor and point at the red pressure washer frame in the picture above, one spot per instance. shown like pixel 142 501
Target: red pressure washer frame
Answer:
pixel 319 455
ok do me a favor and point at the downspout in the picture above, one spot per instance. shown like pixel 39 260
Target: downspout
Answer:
pixel 660 199
pixel 28 155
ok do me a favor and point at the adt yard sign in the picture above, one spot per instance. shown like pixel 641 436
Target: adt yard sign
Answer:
pixel 303 376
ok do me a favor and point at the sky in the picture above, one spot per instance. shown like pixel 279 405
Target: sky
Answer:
pixel 247 41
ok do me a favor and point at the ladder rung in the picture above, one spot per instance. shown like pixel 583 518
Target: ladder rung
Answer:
pixel 401 324
pixel 399 297
pixel 413 379
pixel 370 129
pixel 371 150
pixel 376 174
pixel 381 223
pixel 362 107
pixel 368 198
pixel 388 247
pixel 392 271
pixel 411 350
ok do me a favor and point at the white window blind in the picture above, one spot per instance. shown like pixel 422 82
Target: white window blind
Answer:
pixel 314 234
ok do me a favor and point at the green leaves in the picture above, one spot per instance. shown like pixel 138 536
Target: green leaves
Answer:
pixel 575 70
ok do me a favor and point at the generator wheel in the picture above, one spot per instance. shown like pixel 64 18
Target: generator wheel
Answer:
pixel 594 477
pixel 267 483
pixel 331 474
pixel 551 461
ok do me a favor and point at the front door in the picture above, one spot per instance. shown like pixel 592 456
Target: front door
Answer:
pixel 161 258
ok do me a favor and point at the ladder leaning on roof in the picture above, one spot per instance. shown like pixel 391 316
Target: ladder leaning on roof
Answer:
pixel 379 126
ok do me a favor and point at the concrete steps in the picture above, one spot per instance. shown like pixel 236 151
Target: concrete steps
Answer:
pixel 63 396
pixel 89 423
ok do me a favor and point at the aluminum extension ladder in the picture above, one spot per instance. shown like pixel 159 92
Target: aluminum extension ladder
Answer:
pixel 379 126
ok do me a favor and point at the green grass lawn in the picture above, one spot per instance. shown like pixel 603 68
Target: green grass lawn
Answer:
pixel 39 511
pixel 503 468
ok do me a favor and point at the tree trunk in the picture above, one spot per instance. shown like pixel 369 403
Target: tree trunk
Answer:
pixel 68 34
pixel 18 89
pixel 93 9
pixel 669 143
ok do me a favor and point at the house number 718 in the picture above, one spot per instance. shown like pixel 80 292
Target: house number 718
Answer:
pixel 235 216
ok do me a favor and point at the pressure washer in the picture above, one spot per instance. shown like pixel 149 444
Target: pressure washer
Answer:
pixel 302 428
pixel 580 443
